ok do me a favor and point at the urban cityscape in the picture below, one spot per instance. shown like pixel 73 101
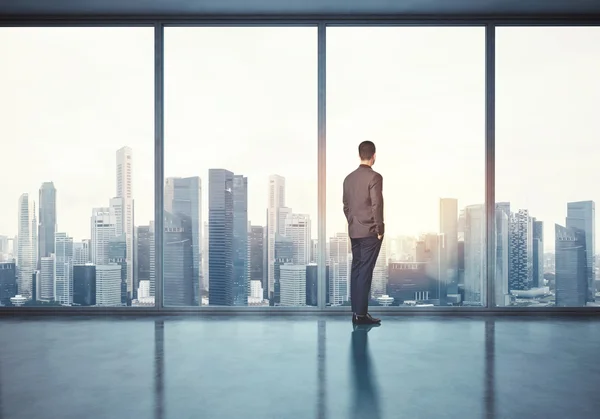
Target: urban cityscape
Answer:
pixel 229 261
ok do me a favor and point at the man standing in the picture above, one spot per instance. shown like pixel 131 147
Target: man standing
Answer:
pixel 363 207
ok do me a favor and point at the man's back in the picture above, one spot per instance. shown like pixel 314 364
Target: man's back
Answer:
pixel 363 202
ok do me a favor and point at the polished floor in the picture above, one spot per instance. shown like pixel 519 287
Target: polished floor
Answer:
pixel 299 367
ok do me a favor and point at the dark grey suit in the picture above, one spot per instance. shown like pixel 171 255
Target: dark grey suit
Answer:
pixel 363 208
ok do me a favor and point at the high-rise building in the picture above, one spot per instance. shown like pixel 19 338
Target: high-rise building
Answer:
pixel 449 233
pixel 380 273
pixel 143 244
pixel 126 222
pixel 274 225
pixel 257 250
pixel 25 253
pixel 312 284
pixel 205 272
pixel 408 281
pixel 183 197
pixel 220 249
pixel 520 276
pixel 47 220
pixel 63 268
pixel 284 254
pixel 502 294
pixel 241 285
pixel 8 282
pixel 117 254
pixel 429 251
pixel 81 252
pixel 292 285
pixel 47 288
pixel 152 285
pixel 571 267
pixel 178 261
pixel 340 263
pixel 582 215
pixel 298 229
pixel 538 253
pixel 475 255
pixel 108 285
pixel 104 228
pixel 84 285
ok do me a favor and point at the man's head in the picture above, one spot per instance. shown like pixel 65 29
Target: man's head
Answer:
pixel 366 152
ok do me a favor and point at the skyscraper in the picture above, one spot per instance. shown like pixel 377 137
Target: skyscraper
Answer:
pixel 144 241
pixel 284 254
pixel 276 202
pixel 220 235
pixel 108 285
pixel 340 263
pixel 178 261
pixel 25 254
pixel 117 254
pixel 183 196
pixel 257 249
pixel 502 240
pixel 103 229
pixel 47 220
pixel 298 229
pixel 81 252
pixel 571 267
pixel 474 249
pixel 8 282
pixel 152 285
pixel 520 276
pixel 538 253
pixel 241 285
pixel 84 285
pixel 582 216
pixel 126 223
pixel 449 232
pixel 292 285
pixel 380 273
pixel 47 289
pixel 63 268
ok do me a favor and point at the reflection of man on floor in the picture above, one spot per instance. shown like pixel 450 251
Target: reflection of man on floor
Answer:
pixel 363 208
pixel 365 393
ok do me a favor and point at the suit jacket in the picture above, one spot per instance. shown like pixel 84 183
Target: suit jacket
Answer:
pixel 363 202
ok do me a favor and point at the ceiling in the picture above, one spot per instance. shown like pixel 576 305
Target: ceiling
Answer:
pixel 290 8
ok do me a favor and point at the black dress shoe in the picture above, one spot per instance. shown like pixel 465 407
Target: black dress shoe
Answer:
pixel 366 319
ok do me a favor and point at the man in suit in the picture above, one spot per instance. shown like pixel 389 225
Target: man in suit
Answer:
pixel 363 207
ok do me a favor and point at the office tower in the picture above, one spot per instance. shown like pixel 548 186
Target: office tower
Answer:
pixel 81 252
pixel 449 232
pixel 538 253
pixel 143 244
pixel 314 251
pixel 380 273
pixel 183 196
pixel 4 248
pixel 104 228
pixel 25 254
pixel 257 250
pixel 47 220
pixel 84 285
pixel 429 251
pixel 408 282
pixel 475 255
pixel 205 272
pixel 520 276
pixel 220 249
pixel 292 285
pixel 340 263
pixel 276 202
pixel 126 224
pixel 571 267
pixel 298 229
pixel 117 254
pixel 144 290
pixel 178 261
pixel 502 294
pixel 47 289
pixel 34 238
pixel 312 284
pixel 241 285
pixel 108 285
pixel 63 268
pixel 8 282
pixel 582 216
pixel 256 291
pixel 284 254
pixel 152 260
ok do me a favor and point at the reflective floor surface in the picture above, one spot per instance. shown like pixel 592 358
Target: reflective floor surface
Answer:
pixel 299 367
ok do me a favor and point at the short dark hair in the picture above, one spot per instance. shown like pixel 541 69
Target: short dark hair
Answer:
pixel 366 150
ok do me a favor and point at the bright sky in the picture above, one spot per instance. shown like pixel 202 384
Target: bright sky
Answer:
pixel 245 99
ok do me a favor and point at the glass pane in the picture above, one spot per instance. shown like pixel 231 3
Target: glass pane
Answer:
pixel 77 121
pixel 241 166
pixel 546 94
pixel 418 95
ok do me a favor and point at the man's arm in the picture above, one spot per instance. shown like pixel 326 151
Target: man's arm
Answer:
pixel 376 193
pixel 345 201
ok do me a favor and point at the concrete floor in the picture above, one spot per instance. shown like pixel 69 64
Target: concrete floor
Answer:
pixel 299 367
